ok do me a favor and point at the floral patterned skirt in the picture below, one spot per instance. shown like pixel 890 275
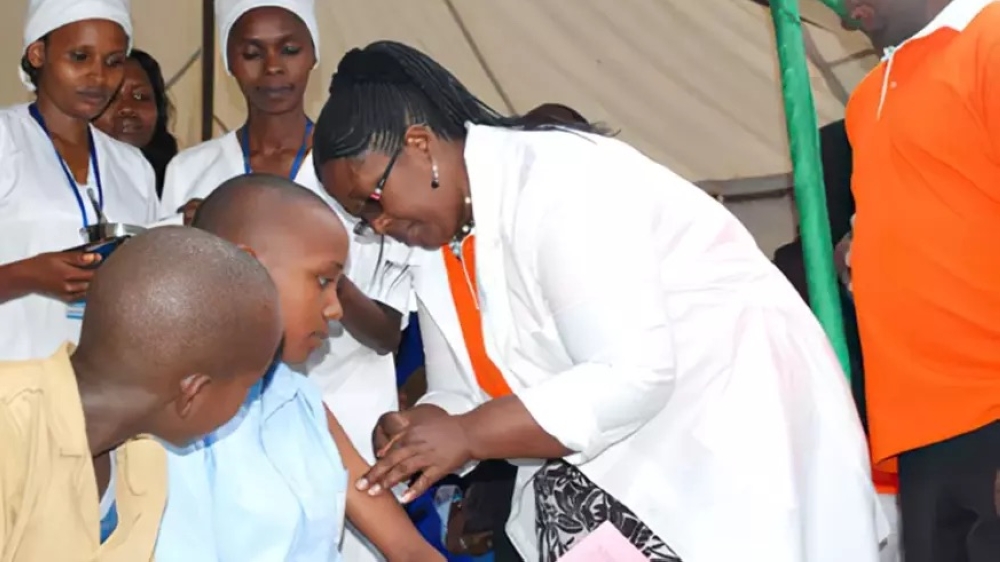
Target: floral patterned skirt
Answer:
pixel 568 506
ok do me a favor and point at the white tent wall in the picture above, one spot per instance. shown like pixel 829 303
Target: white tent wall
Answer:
pixel 694 84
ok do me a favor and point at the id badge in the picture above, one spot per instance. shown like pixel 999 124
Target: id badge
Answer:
pixel 74 310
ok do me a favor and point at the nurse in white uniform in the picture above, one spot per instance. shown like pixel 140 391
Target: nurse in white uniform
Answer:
pixel 51 160
pixel 657 371
pixel 270 48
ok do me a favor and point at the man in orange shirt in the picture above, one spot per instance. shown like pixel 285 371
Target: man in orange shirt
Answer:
pixel 925 129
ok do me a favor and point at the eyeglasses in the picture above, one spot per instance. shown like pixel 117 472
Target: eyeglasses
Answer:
pixel 371 209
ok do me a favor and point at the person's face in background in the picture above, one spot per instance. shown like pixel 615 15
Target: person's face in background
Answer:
pixel 131 117
pixel 81 66
pixel 888 23
pixel 410 210
pixel 271 54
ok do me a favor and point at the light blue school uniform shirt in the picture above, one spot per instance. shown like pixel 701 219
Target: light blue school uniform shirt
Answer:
pixel 268 486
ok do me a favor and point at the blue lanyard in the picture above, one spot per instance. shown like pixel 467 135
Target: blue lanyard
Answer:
pixel 73 186
pixel 300 156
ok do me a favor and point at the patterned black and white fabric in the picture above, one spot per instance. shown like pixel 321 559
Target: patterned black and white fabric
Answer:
pixel 568 506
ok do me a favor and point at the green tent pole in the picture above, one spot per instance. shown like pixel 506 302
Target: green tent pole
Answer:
pixel 810 195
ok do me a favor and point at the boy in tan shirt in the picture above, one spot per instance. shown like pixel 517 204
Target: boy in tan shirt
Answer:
pixel 151 362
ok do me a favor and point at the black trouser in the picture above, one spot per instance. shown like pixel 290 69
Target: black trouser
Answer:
pixel 503 549
pixel 949 495
pixel 494 505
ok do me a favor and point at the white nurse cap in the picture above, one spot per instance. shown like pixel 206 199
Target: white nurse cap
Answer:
pixel 46 16
pixel 227 12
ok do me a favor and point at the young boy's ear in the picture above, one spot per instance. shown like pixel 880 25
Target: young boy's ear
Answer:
pixel 191 390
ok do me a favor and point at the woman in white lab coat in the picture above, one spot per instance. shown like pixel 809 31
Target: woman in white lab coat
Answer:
pixel 270 47
pixel 51 160
pixel 664 375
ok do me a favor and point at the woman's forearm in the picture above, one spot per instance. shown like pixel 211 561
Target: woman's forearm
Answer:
pixel 374 324
pixel 504 429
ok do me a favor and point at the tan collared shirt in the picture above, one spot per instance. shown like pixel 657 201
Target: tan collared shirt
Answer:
pixel 49 505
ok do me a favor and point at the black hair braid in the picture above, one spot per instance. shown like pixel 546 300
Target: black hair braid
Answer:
pixel 456 103
pixel 378 92
pixel 381 90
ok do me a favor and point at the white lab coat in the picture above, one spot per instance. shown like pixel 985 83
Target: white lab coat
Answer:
pixel 641 326
pixel 38 214
pixel 357 384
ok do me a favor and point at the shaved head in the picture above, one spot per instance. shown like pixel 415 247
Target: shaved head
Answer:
pixel 298 237
pixel 252 209
pixel 175 301
pixel 179 325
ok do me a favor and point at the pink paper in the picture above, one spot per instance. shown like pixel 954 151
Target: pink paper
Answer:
pixel 604 544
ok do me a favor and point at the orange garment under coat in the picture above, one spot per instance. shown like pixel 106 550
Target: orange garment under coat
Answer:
pixel 462 282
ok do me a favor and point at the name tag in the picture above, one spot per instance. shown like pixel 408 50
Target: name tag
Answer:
pixel 74 310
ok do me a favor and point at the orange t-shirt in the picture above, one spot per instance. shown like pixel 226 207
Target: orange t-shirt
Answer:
pixel 925 265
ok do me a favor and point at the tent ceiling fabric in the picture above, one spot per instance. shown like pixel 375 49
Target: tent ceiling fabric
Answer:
pixel 691 83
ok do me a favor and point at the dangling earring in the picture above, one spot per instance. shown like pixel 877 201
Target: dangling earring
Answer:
pixel 435 179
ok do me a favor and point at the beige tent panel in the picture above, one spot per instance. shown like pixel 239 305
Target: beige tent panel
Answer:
pixel 170 30
pixel 693 83
pixel 425 24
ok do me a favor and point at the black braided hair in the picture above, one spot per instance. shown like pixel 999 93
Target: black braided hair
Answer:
pixel 381 90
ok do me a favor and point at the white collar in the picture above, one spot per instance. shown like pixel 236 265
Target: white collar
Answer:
pixel 955 15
